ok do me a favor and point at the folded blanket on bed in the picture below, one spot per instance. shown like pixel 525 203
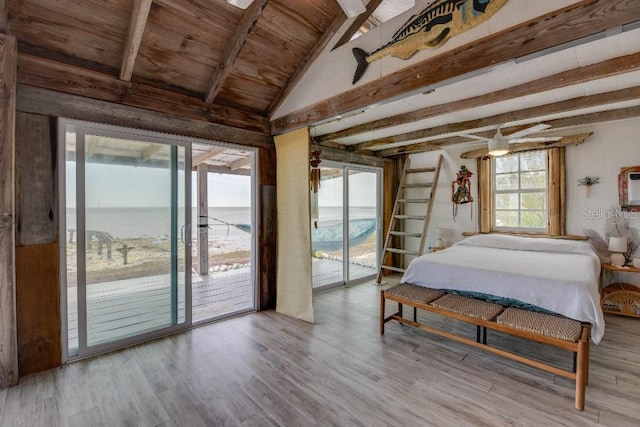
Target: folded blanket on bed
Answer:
pixel 561 276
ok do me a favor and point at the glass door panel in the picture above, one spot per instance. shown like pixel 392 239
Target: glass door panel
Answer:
pixel 327 229
pixel 223 278
pixel 126 238
pixel 363 221
pixel 132 249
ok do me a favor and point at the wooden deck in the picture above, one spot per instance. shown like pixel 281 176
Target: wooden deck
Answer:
pixel 328 272
pixel 128 307
pixel 268 369
pixel 133 306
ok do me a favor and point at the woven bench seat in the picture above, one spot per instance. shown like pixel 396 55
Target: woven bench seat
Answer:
pixel 472 307
pixel 415 293
pixel 540 323
pixel 544 328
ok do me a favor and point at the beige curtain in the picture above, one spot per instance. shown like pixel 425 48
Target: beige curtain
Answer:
pixel 294 282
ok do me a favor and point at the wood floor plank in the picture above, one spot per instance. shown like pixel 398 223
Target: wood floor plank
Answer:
pixel 266 369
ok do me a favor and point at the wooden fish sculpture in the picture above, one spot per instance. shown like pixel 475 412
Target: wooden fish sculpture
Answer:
pixel 430 29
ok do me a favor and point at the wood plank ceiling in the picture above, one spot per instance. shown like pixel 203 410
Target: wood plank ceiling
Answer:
pixel 203 59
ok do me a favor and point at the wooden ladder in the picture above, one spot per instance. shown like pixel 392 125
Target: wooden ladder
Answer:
pixel 403 201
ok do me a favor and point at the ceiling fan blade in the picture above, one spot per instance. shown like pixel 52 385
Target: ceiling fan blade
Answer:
pixel 527 131
pixel 481 138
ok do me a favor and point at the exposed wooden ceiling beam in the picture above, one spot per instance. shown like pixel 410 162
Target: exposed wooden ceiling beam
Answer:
pixel 306 63
pixel 358 22
pixel 511 116
pixel 137 23
pixel 571 23
pixel 212 152
pixel 246 25
pixel 65 78
pixel 240 163
pixel 59 104
pixel 528 146
pixel 612 67
pixel 579 120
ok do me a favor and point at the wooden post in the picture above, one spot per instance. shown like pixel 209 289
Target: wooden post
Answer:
pixel 124 250
pixel 37 255
pixel 203 220
pixel 8 331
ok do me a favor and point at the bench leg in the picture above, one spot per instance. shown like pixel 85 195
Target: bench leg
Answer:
pixel 415 314
pixel 587 350
pixel 484 335
pixel 382 312
pixel 582 369
pixel 400 310
pixel 478 333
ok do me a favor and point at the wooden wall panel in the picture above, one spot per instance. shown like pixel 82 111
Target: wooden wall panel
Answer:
pixel 8 349
pixel 268 236
pixel 37 283
pixel 36 189
pixel 38 307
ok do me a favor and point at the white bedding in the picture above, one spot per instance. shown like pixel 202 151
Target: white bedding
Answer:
pixel 558 275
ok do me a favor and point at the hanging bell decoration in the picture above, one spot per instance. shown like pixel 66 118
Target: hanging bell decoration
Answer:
pixel 314 179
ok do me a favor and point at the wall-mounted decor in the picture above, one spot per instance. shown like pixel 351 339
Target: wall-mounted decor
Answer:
pixel 629 188
pixel 461 189
pixel 430 29
pixel 588 182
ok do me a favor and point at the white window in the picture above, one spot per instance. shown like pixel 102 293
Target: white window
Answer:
pixel 520 192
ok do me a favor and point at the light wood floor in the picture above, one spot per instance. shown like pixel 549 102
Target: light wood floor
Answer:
pixel 266 369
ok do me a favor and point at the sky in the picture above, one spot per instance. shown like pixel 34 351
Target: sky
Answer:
pixel 127 186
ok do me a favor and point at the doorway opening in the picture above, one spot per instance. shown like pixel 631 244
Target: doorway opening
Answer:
pixel 345 225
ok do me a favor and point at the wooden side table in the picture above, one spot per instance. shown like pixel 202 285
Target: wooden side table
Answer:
pixel 619 298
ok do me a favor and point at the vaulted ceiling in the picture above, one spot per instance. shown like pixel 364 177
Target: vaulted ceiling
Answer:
pixel 210 61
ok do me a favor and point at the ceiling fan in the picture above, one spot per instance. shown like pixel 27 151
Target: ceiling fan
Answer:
pixel 499 144
pixel 351 7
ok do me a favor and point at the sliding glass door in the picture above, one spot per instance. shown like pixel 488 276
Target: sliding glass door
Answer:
pixel 363 223
pixel 345 237
pixel 126 236
pixel 223 250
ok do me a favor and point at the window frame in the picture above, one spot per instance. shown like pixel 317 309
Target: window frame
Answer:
pixel 519 191
pixel 556 195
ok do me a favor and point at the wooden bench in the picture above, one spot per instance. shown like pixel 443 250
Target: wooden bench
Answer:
pixel 544 328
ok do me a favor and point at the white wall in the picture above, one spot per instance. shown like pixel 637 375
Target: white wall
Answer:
pixel 442 213
pixel 612 146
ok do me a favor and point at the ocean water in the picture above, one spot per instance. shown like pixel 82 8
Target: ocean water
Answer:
pixel 155 222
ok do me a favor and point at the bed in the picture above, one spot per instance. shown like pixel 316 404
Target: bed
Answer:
pixel 561 276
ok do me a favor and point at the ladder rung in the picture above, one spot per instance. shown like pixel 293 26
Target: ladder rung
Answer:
pixel 418 185
pixel 421 170
pixel 388 267
pixel 405 234
pixel 401 251
pixel 413 200
pixel 410 217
